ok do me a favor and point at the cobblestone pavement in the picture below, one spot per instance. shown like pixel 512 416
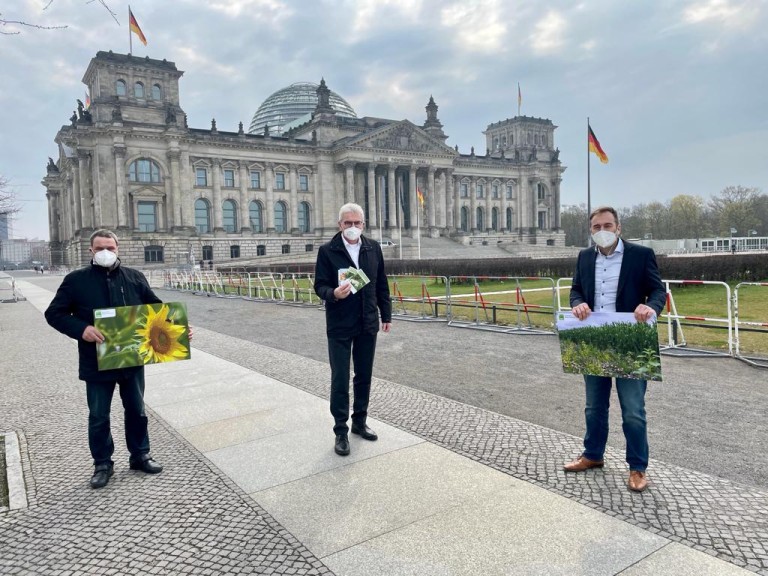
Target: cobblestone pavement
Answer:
pixel 189 519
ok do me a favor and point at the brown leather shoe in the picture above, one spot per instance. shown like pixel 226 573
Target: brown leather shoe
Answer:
pixel 637 481
pixel 582 463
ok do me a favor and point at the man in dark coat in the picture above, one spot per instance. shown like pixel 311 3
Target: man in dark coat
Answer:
pixel 615 276
pixel 104 283
pixel 352 319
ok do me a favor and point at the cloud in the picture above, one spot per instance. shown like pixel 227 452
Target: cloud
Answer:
pixel 478 26
pixel 549 34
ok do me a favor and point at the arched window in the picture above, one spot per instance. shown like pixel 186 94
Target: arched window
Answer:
pixel 138 90
pixel 280 217
pixel 465 219
pixel 254 213
pixel 304 217
pixel 479 223
pixel 229 215
pixel 495 219
pixel 202 216
pixel 144 170
pixel 157 92
pixel 510 219
pixel 120 88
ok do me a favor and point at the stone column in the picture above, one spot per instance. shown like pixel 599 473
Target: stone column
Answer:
pixel 448 188
pixel 218 224
pixel 521 204
pixel 349 182
pixel 269 209
pixel 293 184
pixel 503 207
pixel 413 202
pixel 556 201
pixel 472 204
pixel 187 200
pixel 85 197
pixel 372 203
pixel 244 179
pixel 77 210
pixel 488 205
pixel 174 212
pixel 431 197
pixel 456 202
pixel 393 203
pixel 121 195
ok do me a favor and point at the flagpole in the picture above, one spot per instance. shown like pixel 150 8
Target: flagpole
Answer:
pixel 130 39
pixel 378 205
pixel 589 191
pixel 519 98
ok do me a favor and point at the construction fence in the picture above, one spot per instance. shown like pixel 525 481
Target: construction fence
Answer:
pixel 701 318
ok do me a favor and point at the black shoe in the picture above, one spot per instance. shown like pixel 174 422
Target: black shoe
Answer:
pixel 364 432
pixel 101 475
pixel 146 464
pixel 341 447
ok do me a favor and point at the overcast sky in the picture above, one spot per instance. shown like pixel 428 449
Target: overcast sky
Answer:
pixel 676 90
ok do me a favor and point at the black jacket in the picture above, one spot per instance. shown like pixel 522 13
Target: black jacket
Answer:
pixel 357 313
pixel 91 287
pixel 639 280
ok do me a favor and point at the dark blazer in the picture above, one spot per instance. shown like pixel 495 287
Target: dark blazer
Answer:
pixel 86 289
pixel 360 312
pixel 639 280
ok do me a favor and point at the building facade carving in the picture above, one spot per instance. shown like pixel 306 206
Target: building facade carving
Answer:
pixel 177 195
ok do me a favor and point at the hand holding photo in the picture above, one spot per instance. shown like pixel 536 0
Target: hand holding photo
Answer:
pixel 143 334
pixel 355 277
pixel 609 344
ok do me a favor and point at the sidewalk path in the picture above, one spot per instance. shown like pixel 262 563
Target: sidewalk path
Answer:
pixel 252 484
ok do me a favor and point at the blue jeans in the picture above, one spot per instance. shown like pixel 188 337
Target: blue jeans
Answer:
pixel 99 395
pixel 632 399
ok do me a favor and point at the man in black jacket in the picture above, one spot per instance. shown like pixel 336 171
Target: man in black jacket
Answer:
pixel 105 284
pixel 615 276
pixel 352 319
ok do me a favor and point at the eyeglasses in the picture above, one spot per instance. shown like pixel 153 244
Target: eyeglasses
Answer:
pixel 349 223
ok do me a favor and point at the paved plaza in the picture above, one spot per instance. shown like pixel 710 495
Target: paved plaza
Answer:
pixel 462 481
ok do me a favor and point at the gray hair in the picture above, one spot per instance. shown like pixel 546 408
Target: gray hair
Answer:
pixel 104 233
pixel 351 207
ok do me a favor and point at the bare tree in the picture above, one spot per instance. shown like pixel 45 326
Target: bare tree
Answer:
pixel 8 204
pixel 573 221
pixel 9 27
pixel 737 207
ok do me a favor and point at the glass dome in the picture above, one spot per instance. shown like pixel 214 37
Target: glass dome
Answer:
pixel 291 103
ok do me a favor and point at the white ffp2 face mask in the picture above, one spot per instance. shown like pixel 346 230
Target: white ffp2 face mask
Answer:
pixel 352 233
pixel 604 238
pixel 105 258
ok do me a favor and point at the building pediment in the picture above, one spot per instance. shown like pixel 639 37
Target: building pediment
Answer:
pixel 401 136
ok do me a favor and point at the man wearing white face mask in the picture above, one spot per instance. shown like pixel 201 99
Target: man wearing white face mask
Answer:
pixel 104 283
pixel 352 319
pixel 615 276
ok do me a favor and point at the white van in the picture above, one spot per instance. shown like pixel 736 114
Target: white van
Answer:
pixel 387 244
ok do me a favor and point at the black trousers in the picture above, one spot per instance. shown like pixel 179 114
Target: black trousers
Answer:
pixel 361 349
pixel 99 395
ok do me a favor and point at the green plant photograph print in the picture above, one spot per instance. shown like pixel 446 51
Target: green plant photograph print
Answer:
pixel 609 344
pixel 143 334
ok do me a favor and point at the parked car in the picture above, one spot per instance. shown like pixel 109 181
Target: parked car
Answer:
pixel 387 244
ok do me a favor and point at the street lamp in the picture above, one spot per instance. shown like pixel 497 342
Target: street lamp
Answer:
pixel 733 246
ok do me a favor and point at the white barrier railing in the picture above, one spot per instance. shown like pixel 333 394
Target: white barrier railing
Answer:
pixel 756 325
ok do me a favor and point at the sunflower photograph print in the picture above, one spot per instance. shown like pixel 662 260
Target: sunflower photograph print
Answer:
pixel 143 334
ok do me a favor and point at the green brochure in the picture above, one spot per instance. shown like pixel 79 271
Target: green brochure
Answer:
pixel 354 276
pixel 143 334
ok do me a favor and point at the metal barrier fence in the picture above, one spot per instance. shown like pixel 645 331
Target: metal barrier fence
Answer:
pixel 413 299
pixel 676 342
pixel 757 326
pixel 508 304
pixel 493 309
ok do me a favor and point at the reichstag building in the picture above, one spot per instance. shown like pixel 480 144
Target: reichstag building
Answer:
pixel 178 195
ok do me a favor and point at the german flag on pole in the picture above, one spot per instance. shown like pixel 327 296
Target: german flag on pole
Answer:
pixel 594 146
pixel 420 196
pixel 135 27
